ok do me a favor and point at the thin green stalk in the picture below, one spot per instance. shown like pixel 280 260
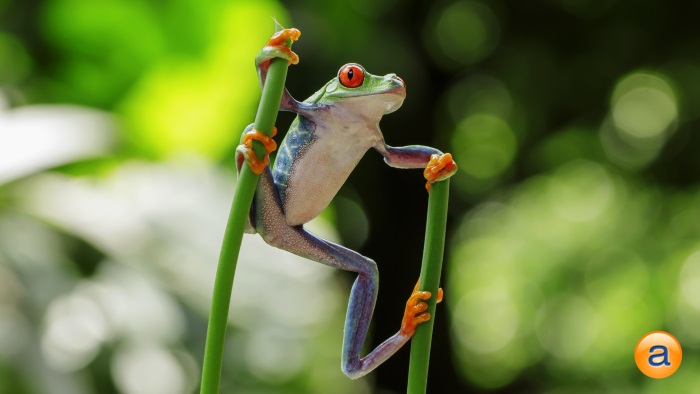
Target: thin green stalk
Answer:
pixel 233 236
pixel 429 281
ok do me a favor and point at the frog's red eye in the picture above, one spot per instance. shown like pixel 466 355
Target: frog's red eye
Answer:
pixel 351 76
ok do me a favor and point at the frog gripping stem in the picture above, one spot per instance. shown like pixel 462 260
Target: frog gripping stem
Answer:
pixel 440 167
pixel 246 149
pixel 415 312
pixel 292 193
pixel 278 42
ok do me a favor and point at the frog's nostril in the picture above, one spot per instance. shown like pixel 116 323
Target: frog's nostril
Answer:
pixel 395 78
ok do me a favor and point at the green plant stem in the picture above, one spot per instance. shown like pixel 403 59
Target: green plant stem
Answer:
pixel 429 281
pixel 233 236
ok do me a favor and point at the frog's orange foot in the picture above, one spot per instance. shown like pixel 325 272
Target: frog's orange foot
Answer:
pixel 246 149
pixel 278 44
pixel 415 312
pixel 439 168
pixel 440 292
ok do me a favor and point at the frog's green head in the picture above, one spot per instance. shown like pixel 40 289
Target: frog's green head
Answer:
pixel 356 88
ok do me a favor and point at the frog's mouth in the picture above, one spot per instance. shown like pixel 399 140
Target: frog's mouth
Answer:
pixel 393 98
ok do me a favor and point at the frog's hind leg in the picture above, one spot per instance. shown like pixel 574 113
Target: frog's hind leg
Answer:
pixel 271 224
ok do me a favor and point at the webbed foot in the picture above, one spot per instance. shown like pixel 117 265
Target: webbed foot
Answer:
pixel 415 314
pixel 439 168
pixel 277 47
pixel 245 150
pixel 440 292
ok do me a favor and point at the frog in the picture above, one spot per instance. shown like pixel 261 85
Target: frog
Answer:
pixel 332 131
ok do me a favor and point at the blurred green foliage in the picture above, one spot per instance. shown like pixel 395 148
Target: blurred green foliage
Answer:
pixel 574 218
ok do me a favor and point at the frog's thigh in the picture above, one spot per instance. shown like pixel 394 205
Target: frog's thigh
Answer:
pixel 271 224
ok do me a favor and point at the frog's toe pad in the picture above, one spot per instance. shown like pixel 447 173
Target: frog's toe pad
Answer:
pixel 245 150
pixel 278 44
pixel 440 292
pixel 439 168
pixel 414 314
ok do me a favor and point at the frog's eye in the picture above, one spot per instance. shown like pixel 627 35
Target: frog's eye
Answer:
pixel 351 76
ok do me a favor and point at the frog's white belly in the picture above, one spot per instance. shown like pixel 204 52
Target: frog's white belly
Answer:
pixel 324 167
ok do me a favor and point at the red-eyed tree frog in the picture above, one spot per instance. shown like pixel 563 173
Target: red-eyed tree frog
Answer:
pixel 333 129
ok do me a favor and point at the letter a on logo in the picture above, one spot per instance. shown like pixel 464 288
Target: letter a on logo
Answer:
pixel 654 358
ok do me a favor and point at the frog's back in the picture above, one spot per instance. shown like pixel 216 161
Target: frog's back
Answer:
pixel 313 162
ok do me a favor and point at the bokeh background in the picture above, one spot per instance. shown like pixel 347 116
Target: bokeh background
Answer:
pixel 574 222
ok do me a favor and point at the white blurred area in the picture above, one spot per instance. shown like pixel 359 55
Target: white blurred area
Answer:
pixel 37 137
pixel 159 226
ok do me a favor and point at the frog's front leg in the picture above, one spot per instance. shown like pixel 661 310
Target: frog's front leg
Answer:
pixel 269 221
pixel 412 156
pixel 276 47
pixel 438 166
